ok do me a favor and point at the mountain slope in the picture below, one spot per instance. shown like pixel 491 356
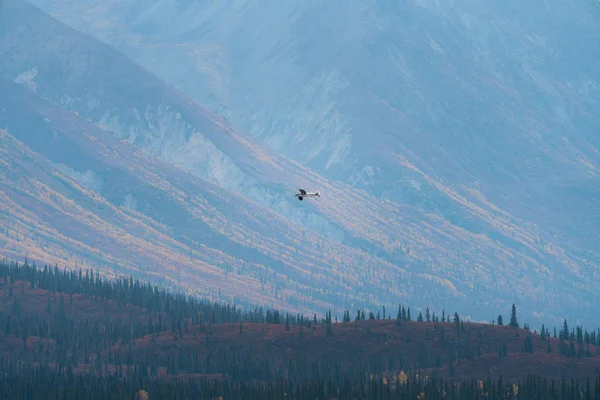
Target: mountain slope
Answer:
pixel 481 97
pixel 92 198
pixel 50 217
pixel 475 256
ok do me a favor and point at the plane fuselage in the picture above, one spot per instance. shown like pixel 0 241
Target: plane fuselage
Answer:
pixel 303 193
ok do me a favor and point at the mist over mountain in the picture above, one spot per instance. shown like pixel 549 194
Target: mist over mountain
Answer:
pixel 470 131
pixel 500 99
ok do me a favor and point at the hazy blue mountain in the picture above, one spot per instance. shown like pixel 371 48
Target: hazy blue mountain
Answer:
pixel 497 98
pixel 471 127
pixel 74 194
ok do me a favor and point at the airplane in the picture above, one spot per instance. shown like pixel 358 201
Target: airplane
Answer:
pixel 302 193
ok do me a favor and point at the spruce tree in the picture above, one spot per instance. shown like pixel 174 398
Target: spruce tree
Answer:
pixel 513 317
pixel 457 322
pixel 328 324
pixel 543 333
pixel 346 316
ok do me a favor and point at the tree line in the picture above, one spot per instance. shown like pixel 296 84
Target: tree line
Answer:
pixel 98 354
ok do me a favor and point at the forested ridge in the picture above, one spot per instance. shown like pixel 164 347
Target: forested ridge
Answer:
pixel 74 334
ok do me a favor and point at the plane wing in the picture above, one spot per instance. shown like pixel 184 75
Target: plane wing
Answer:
pixel 302 191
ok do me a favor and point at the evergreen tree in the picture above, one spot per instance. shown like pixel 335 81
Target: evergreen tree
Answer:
pixel 346 316
pixel 543 333
pixel 457 324
pixel 513 317
pixel 329 328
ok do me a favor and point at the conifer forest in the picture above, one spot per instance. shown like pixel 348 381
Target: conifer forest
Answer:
pixel 72 334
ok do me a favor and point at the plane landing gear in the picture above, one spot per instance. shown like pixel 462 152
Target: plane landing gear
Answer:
pixel 300 198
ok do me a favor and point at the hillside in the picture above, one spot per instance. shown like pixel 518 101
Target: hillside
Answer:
pixel 138 150
pixel 465 115
pixel 480 98
pixel 76 195
pixel 84 324
pixel 377 343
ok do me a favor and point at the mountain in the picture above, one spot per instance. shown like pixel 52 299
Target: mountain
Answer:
pixel 149 162
pixel 74 193
pixel 131 211
pixel 396 98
